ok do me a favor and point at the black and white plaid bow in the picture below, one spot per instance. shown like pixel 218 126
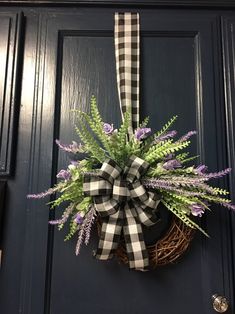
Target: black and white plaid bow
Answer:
pixel 123 203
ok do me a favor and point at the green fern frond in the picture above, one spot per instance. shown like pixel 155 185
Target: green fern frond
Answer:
pixel 198 201
pixel 91 145
pixel 167 126
pixel 144 123
pixel 182 156
pixel 219 191
pixel 189 159
pixel 73 227
pixel 83 206
pixel 215 199
pixel 122 136
pixel 161 146
pixel 97 128
pixel 184 218
pixel 181 198
pixel 150 139
pixel 158 152
pixel 95 114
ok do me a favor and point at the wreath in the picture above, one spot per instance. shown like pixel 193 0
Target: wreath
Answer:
pixel 123 175
pixel 122 178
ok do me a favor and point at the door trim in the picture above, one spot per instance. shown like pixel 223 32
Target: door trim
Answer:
pixel 226 4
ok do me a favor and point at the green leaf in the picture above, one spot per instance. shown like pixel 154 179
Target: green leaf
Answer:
pixel 184 218
pixel 150 139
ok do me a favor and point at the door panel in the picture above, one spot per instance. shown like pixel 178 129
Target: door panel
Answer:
pixel 181 73
pixel 178 75
pixel 11 44
pixel 228 24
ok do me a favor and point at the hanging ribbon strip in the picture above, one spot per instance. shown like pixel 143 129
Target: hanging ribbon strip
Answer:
pixel 127 41
pixel 123 203
pixel 118 194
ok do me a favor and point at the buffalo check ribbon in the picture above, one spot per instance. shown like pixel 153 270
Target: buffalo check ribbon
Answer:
pixel 123 204
pixel 127 42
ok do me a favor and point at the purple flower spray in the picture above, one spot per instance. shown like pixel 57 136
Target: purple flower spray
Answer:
pixel 142 133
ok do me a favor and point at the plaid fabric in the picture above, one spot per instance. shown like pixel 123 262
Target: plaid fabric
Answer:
pixel 124 206
pixel 110 235
pixel 135 245
pixel 126 37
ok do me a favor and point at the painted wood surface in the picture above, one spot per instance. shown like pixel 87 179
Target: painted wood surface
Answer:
pixel 68 56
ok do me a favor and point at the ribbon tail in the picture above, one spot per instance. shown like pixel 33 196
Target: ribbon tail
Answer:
pixel 110 235
pixel 135 246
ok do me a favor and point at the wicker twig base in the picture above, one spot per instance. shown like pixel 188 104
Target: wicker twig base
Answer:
pixel 167 249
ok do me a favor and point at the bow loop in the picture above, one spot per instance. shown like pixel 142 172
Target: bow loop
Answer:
pixel 138 192
pixel 93 186
pixel 106 206
pixel 135 168
pixel 110 170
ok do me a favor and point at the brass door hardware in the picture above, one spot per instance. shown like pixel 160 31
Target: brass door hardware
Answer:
pixel 220 303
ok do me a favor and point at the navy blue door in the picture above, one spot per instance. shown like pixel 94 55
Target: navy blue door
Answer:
pixel 181 73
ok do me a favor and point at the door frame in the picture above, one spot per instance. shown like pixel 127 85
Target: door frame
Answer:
pixel 226 4
pixel 193 4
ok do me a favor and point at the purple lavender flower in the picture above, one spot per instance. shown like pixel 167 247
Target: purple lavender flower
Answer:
pixel 197 210
pixel 70 148
pixel 108 128
pixel 162 184
pixel 78 219
pixel 165 136
pixel 168 157
pixel 187 136
pixel 74 163
pixel 177 182
pixel 64 217
pixel 229 205
pixel 90 219
pixel 43 194
pixel 201 170
pixel 64 174
pixel 171 164
pixel 85 229
pixel 215 175
pixel 142 133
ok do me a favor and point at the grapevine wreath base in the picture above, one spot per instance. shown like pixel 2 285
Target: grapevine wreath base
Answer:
pixel 166 250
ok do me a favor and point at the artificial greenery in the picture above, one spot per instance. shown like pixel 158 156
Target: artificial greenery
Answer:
pixel 183 188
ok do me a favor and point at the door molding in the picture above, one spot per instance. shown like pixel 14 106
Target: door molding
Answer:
pixel 157 3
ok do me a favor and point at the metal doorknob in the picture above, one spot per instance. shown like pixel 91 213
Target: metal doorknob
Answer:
pixel 220 303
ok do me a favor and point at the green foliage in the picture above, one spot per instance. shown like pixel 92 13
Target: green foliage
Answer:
pixel 219 191
pixel 180 188
pixel 183 161
pixel 177 211
pixel 167 126
pixel 121 139
pixel 148 142
pixel 182 156
pixel 95 123
pixel 101 145
pixel 216 199
pixel 162 149
pixel 183 200
pixel 73 227
pixel 90 143
pixel 144 123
